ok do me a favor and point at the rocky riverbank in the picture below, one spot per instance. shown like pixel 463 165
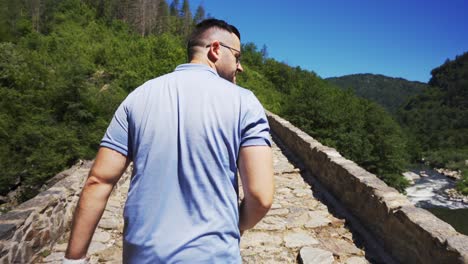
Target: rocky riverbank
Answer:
pixel 454 195
pixel 456 175
pixel 432 188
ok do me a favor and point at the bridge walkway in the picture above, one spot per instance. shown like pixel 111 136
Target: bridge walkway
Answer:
pixel 297 224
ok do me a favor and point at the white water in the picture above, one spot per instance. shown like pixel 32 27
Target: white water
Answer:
pixel 429 192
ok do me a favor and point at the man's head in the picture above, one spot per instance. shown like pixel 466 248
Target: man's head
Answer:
pixel 216 43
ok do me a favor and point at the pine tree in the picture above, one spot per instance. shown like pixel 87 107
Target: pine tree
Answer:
pixel 174 8
pixel 10 13
pixel 123 10
pixel 35 9
pixel 162 20
pixel 143 15
pixel 264 52
pixel 186 16
pixel 199 15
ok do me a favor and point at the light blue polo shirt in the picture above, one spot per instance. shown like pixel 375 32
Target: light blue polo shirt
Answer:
pixel 183 132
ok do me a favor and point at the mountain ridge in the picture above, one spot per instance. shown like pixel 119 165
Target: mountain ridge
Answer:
pixel 389 92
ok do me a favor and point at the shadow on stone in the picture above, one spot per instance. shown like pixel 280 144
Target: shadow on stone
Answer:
pixel 363 239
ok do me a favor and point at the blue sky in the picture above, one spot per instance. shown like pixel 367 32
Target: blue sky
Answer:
pixel 395 38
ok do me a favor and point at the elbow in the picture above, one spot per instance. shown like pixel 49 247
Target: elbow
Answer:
pixel 263 203
pixel 261 198
pixel 266 200
pixel 93 181
pixel 266 203
pixel 96 182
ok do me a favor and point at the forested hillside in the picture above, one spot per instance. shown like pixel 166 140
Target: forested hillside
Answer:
pixel 65 66
pixel 63 72
pixel 438 118
pixel 391 93
pixel 361 130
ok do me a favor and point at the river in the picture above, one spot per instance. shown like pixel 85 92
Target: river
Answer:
pixel 428 193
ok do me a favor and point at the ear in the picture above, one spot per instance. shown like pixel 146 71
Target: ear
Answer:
pixel 214 53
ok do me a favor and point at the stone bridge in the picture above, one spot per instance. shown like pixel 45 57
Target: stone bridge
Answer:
pixel 326 210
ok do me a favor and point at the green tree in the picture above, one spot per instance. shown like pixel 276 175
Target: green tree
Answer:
pixel 187 21
pixel 199 15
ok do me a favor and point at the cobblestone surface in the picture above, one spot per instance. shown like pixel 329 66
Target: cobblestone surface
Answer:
pixel 296 221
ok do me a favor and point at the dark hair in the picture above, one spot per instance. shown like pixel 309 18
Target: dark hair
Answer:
pixel 195 38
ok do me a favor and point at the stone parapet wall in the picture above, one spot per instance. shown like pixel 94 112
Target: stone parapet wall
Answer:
pixel 34 226
pixel 408 233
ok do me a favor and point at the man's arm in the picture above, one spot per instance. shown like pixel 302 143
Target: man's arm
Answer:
pixel 256 172
pixel 105 173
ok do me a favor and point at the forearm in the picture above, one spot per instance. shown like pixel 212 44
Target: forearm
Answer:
pixel 251 212
pixel 88 212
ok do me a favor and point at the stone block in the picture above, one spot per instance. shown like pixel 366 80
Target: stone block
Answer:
pixel 7 230
pixel 101 236
pixel 24 255
pixel 309 255
pixel 260 239
pixel 340 247
pixel 110 256
pixel 293 221
pixel 71 183
pixel 280 211
pixel 32 218
pixel 271 223
pixel 317 219
pixel 45 237
pixel 4 248
pixel 425 225
pixel 61 226
pixel 5 260
pixel 459 245
pixel 41 223
pixel 297 239
pixel 109 223
pixel 95 247
pixel 48 212
pixel 59 208
pixel 19 235
pixel 61 247
pixel 56 257
pixel 16 215
pixel 38 204
pixel 30 234
pixel 302 192
pixel 356 260
pixel 36 243
pixel 13 250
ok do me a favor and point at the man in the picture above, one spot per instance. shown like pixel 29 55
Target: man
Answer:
pixel 187 133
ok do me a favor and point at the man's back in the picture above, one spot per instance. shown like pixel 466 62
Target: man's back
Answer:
pixel 186 133
pixel 185 130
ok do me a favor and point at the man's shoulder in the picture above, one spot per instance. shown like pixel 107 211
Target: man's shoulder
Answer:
pixel 243 92
pixel 151 83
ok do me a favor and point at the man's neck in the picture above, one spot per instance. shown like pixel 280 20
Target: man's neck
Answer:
pixel 209 63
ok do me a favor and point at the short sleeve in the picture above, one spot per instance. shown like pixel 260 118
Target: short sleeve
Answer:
pixel 116 136
pixel 255 129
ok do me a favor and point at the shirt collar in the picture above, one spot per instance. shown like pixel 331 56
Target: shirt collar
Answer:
pixel 196 67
